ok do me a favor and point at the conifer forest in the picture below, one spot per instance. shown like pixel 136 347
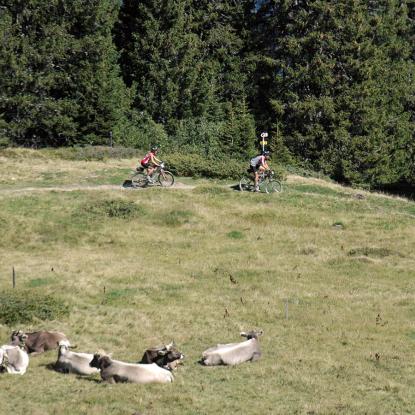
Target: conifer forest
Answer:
pixel 332 81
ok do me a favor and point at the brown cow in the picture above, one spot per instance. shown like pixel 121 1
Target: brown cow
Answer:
pixel 167 357
pixel 37 342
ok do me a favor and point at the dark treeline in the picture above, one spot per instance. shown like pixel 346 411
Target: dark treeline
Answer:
pixel 332 81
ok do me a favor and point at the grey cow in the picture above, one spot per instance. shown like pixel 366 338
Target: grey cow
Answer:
pixel 37 342
pixel 234 353
pixel 71 362
pixel 114 371
pixel 13 359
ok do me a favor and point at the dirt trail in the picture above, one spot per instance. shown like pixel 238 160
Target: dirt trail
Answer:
pixel 72 188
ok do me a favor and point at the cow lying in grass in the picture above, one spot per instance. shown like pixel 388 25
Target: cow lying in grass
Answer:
pixel 234 353
pixel 114 371
pixel 37 342
pixel 13 359
pixel 167 357
pixel 71 362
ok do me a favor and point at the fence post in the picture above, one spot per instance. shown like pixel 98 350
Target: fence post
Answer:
pixel 14 278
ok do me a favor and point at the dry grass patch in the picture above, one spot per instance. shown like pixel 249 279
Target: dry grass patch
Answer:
pixel 147 267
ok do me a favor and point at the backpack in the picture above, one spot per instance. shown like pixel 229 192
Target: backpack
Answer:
pixel 146 158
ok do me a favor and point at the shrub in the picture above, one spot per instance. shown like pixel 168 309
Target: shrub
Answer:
pixel 89 153
pixel 17 307
pixel 195 165
pixel 235 235
pixel 115 208
pixel 177 217
pixel 140 132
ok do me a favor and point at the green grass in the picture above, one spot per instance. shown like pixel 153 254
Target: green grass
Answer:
pixel 138 268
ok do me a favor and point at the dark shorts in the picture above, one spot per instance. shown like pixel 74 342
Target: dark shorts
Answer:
pixel 147 165
pixel 254 169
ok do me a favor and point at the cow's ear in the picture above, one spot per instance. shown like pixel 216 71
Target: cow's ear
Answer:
pixel 104 362
pixel 162 352
pixel 244 334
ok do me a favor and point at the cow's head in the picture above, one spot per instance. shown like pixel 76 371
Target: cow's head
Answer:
pixel 252 334
pixel 168 354
pixel 100 361
pixel 18 338
pixel 64 345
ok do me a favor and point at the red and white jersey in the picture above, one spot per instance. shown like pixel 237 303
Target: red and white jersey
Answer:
pixel 147 157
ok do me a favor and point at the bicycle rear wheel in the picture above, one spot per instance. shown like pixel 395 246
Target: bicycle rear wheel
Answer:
pixel 273 186
pixel 246 184
pixel 139 180
pixel 166 179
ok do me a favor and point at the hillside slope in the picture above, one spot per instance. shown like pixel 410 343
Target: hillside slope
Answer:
pixel 327 272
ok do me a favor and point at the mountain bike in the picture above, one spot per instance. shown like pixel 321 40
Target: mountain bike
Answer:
pixel 267 183
pixel 160 177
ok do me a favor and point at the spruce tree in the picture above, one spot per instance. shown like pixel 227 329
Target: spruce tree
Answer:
pixel 183 59
pixel 59 83
pixel 338 76
pixel 161 58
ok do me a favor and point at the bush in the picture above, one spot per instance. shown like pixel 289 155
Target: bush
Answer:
pixel 90 153
pixel 116 208
pixel 18 307
pixel 140 132
pixel 195 165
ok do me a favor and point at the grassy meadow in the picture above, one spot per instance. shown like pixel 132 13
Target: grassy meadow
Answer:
pixel 327 272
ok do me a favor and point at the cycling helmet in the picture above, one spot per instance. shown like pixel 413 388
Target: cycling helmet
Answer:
pixel 266 153
pixel 154 148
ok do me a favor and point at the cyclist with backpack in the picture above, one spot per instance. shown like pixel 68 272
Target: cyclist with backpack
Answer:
pixel 150 162
pixel 258 165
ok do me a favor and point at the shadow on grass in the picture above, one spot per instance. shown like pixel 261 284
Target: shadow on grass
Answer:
pixel 127 184
pixel 90 378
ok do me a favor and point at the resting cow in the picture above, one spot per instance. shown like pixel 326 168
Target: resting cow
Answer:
pixel 13 359
pixel 37 342
pixel 167 356
pixel 114 371
pixel 71 362
pixel 234 353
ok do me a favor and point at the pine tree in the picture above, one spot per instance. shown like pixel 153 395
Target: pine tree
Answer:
pixel 183 59
pixel 160 56
pixel 337 79
pixel 59 83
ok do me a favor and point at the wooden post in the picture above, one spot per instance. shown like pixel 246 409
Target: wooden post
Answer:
pixel 286 308
pixel 14 278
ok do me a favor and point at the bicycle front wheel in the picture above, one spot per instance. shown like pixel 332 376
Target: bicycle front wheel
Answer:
pixel 246 184
pixel 273 186
pixel 139 180
pixel 166 179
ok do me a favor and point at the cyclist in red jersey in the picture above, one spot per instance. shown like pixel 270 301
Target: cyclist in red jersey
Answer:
pixel 258 165
pixel 150 162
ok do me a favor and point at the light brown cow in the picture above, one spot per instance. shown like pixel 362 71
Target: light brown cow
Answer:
pixel 234 353
pixel 114 371
pixel 37 342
